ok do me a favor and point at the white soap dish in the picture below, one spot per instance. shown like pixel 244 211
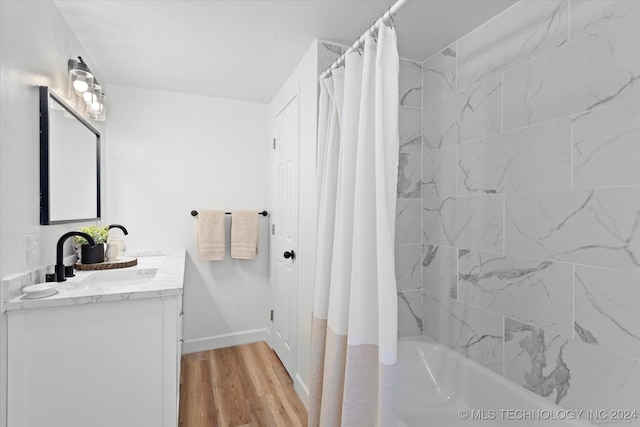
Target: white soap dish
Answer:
pixel 40 290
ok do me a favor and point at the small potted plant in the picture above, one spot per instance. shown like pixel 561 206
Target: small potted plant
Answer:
pixel 88 254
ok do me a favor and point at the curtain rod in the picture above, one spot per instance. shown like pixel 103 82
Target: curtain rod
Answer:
pixel 358 43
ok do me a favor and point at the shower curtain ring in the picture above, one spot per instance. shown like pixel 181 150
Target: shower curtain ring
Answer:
pixel 390 21
pixel 373 32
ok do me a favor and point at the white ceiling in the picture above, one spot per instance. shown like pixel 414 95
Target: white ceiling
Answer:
pixel 247 49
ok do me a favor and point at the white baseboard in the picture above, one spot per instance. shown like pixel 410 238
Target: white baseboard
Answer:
pixel 226 340
pixel 301 390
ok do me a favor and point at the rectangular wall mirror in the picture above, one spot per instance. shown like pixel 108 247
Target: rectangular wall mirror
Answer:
pixel 69 163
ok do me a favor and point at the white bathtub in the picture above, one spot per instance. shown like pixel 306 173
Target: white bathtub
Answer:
pixel 435 384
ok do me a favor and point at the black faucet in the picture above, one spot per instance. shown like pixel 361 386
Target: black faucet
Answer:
pixel 121 227
pixel 59 269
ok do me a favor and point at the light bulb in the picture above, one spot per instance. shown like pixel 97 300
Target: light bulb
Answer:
pixel 80 85
pixel 88 97
pixel 96 106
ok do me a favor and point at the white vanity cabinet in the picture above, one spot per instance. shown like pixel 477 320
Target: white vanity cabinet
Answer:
pixel 106 364
pixel 99 353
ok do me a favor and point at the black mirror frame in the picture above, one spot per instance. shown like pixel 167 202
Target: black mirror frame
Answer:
pixel 45 214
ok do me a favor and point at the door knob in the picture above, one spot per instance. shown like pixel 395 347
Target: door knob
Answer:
pixel 290 254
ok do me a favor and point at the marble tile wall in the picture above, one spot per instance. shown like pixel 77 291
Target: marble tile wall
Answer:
pixel 408 251
pixel 529 257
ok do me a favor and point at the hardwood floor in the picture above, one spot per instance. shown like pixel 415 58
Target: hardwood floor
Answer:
pixel 244 385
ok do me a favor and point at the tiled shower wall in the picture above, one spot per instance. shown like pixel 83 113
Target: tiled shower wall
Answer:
pixel 518 229
pixel 408 248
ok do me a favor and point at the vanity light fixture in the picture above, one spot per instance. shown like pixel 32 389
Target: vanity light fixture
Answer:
pixel 85 90
pixel 95 103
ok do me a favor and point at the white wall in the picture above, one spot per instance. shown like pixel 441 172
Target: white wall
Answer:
pixel 35 43
pixel 304 82
pixel 170 153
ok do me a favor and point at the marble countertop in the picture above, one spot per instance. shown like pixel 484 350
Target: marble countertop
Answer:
pixel 86 287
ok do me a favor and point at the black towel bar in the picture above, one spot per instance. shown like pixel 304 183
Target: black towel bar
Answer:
pixel 263 213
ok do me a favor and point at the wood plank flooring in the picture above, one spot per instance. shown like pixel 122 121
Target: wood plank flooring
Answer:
pixel 244 385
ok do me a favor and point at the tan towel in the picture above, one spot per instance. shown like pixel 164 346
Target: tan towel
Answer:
pixel 244 234
pixel 211 244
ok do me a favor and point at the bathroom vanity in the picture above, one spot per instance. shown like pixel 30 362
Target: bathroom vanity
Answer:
pixel 103 351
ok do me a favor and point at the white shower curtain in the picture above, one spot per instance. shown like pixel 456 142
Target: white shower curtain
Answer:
pixel 354 339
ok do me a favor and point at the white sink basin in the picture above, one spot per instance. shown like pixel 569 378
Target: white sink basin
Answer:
pixel 101 279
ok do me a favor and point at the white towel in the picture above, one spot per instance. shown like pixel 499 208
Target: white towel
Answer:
pixel 211 243
pixel 244 234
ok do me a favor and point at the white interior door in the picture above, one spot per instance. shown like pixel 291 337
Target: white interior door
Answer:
pixel 285 233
